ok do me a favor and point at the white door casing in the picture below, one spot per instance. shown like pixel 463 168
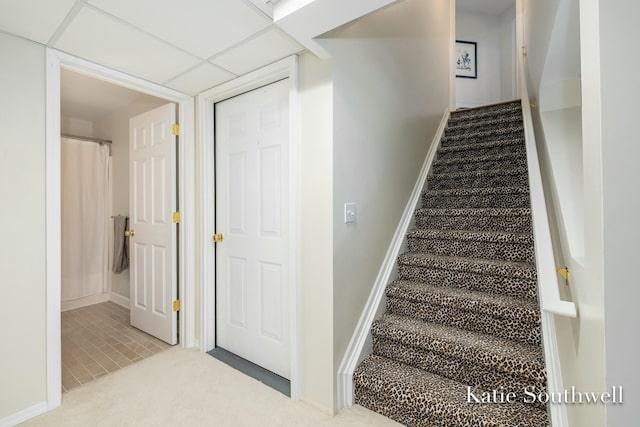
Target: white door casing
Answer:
pixel 152 201
pixel 252 199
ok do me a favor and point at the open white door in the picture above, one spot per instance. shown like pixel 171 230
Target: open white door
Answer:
pixel 152 201
pixel 252 206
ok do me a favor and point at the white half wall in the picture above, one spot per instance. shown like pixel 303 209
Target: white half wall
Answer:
pixel 22 238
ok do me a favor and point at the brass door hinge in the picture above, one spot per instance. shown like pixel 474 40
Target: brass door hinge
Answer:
pixel 176 217
pixel 175 129
pixel 176 305
pixel 564 272
pixel 218 237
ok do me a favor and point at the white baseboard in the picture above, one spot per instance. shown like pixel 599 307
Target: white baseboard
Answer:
pixel 353 355
pixel 84 301
pixel 120 300
pixel 24 415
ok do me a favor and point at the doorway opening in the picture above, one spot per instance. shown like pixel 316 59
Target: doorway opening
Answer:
pixel 220 263
pixel 485 56
pixel 184 201
pixel 97 337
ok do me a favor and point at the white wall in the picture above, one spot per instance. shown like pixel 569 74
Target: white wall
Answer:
pixel 496 61
pixel 22 238
pixel 76 127
pixel 391 73
pixel 115 127
pixel 316 263
pixel 621 202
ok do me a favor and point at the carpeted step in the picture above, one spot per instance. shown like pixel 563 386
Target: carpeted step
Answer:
pixel 500 161
pixel 500 197
pixel 483 135
pixel 507 317
pixel 510 145
pixel 517 220
pixel 471 358
pixel 496 245
pixel 418 398
pixel 489 123
pixel 512 177
pixel 496 277
pixel 485 113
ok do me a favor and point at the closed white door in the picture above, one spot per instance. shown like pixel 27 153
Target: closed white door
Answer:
pixel 252 206
pixel 152 201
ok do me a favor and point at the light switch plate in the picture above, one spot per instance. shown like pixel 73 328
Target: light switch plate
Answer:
pixel 349 212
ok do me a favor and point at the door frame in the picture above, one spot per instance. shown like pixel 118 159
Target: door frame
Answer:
pixel 55 61
pixel 279 70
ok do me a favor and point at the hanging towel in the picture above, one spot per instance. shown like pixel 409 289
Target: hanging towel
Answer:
pixel 120 244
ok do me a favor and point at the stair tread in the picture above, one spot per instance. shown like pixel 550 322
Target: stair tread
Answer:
pixel 479 159
pixel 521 270
pixel 482 236
pixel 505 355
pixel 479 173
pixel 473 211
pixel 496 305
pixel 476 191
pixel 429 395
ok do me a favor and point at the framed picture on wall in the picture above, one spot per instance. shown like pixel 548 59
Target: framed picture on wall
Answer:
pixel 466 59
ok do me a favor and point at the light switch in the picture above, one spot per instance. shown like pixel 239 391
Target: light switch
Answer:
pixel 349 212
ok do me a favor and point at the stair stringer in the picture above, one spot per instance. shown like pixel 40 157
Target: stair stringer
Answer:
pixel 360 345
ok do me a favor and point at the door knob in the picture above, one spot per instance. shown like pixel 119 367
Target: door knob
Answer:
pixel 129 233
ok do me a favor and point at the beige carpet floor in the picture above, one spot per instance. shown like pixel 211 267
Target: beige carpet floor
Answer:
pixel 180 387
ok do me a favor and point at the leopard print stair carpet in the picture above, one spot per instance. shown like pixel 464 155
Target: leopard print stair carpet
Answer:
pixel 459 344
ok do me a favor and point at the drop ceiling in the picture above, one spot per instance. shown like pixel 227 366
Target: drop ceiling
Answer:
pixel 187 45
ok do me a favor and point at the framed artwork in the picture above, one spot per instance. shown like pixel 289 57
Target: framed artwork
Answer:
pixel 466 59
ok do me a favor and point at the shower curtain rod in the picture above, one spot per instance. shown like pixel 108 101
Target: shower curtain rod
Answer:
pixel 85 138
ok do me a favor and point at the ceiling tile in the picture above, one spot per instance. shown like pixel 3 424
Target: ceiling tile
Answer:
pixel 201 27
pixel 265 6
pixel 33 19
pixel 262 50
pixel 200 78
pixel 101 39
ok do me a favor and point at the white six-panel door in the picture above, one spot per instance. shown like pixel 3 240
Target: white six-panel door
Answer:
pixel 152 201
pixel 252 205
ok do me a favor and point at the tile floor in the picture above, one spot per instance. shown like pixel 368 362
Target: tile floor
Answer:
pixel 97 340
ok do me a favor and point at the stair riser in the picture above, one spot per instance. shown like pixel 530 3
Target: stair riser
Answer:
pixel 498 122
pixel 512 223
pixel 511 147
pixel 517 200
pixel 455 122
pixel 499 285
pixel 506 163
pixel 480 137
pixel 439 182
pixel 462 371
pixel 473 249
pixel 403 414
pixel 513 329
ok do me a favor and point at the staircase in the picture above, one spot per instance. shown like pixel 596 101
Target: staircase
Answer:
pixel 463 322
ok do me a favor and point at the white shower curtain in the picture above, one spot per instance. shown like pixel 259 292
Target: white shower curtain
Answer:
pixel 85 203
